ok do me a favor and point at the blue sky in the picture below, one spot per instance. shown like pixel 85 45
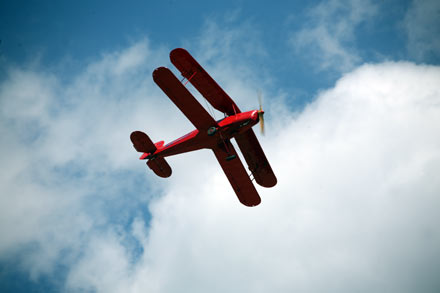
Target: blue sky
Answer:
pixel 352 100
pixel 60 32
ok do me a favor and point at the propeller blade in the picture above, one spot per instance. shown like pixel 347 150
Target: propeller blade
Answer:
pixel 261 117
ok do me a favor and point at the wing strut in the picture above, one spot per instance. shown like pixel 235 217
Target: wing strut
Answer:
pixel 195 72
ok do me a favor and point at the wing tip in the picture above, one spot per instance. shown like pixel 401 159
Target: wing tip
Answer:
pixel 178 51
pixel 251 203
pixel 159 70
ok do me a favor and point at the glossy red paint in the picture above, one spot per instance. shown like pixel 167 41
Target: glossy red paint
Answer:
pixel 227 128
pixel 209 134
pixel 203 82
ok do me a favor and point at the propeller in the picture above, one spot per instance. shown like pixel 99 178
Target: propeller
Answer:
pixel 261 113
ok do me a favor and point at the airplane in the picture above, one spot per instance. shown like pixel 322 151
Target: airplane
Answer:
pixel 209 133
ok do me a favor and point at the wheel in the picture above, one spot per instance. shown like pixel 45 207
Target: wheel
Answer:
pixel 212 131
pixel 231 157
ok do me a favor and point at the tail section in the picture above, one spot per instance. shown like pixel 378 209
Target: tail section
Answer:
pixel 142 143
pixel 159 144
pixel 160 167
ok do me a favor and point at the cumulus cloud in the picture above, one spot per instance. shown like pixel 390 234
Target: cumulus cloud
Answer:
pixel 63 144
pixel 355 208
pixel 328 37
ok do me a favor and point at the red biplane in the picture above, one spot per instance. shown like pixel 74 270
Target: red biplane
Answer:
pixel 209 133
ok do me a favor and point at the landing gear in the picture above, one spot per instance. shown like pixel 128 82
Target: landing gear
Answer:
pixel 211 131
pixel 230 157
pixel 225 146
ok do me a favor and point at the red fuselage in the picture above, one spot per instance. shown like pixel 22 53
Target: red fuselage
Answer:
pixel 227 128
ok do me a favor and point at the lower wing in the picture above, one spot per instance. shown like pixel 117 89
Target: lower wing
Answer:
pixel 236 174
pixel 256 159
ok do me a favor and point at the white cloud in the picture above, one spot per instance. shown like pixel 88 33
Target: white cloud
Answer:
pixel 422 25
pixel 63 145
pixel 105 265
pixel 328 38
pixel 355 208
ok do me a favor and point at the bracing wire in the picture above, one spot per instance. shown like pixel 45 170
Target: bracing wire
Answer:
pixel 210 110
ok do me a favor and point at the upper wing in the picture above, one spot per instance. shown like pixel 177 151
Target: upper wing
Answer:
pixel 237 175
pixel 256 159
pixel 201 80
pixel 183 99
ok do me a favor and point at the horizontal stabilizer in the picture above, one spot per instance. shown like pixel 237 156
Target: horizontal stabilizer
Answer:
pixel 160 167
pixel 142 143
